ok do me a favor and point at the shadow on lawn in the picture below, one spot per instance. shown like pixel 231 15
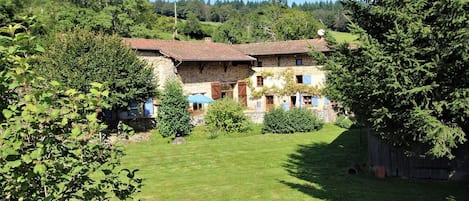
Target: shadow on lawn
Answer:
pixel 323 173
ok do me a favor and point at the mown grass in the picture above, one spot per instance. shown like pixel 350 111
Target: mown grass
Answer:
pixel 344 37
pixel 252 166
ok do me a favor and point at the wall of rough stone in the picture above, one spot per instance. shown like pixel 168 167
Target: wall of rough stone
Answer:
pixel 287 62
pixel 197 72
pixel 198 76
pixel 163 67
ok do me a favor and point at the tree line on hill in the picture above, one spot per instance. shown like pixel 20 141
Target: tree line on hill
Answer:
pixel 236 21
pixel 330 13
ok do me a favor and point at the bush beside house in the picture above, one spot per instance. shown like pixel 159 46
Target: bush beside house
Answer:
pixel 227 115
pixel 296 120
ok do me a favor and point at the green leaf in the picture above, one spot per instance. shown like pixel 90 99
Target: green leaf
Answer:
pixel 76 131
pixel 14 164
pixel 55 83
pixel 94 91
pixel 8 151
pixel 39 48
pixel 36 154
pixel 96 85
pixel 7 113
pixel 91 117
pixel 39 169
pixel 26 158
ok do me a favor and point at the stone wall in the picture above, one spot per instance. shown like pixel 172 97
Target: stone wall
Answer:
pixel 276 66
pixel 198 72
pixel 163 67
pixel 198 76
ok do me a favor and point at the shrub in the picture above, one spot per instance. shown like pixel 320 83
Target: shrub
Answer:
pixel 276 121
pixel 296 120
pixel 173 115
pixel 343 122
pixel 302 120
pixel 227 115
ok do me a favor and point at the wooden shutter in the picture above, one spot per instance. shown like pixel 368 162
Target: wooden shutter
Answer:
pixel 242 94
pixel 216 90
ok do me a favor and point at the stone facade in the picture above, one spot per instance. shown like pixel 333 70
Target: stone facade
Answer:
pixel 274 67
pixel 199 76
pixel 163 67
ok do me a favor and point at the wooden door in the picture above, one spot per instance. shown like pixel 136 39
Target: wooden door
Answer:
pixel 216 90
pixel 242 94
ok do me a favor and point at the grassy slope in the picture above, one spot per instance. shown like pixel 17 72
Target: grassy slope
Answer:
pixel 344 37
pixel 271 167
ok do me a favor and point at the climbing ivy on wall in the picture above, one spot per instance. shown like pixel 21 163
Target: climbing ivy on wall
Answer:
pixel 290 87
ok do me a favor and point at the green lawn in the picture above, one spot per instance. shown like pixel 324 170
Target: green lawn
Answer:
pixel 268 167
pixel 344 37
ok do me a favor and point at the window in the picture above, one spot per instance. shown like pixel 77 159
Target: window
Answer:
pixel 307 100
pixel 227 90
pixel 197 106
pixel 299 79
pixel 260 81
pixel 259 63
pixel 299 62
pixel 269 100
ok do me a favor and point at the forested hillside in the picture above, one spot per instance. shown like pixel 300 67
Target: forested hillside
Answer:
pixel 225 21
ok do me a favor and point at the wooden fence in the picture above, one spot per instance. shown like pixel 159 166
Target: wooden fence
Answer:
pixel 396 163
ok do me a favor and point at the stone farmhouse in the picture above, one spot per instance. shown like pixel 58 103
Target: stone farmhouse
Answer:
pixel 258 75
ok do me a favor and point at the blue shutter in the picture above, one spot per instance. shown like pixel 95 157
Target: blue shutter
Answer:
pixel 148 108
pixel 326 101
pixel 307 79
pixel 315 101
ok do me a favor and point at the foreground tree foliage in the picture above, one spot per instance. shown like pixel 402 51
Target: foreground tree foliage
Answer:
pixel 409 78
pixel 80 57
pixel 50 142
pixel 173 112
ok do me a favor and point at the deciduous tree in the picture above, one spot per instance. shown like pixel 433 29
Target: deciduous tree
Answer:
pixel 50 142
pixel 80 57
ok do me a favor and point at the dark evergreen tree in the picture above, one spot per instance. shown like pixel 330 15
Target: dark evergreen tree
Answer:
pixel 173 113
pixel 409 78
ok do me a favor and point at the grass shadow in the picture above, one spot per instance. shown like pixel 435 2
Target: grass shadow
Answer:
pixel 321 171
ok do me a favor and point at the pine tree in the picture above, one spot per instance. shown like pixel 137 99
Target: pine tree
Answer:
pixel 409 78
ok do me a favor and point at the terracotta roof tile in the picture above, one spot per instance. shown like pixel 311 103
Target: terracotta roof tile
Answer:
pixel 190 51
pixel 283 47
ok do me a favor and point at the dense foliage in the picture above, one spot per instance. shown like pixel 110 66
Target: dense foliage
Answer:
pixel 173 112
pixel 278 120
pixel 148 19
pixel 227 115
pixel 80 57
pixel 330 13
pixel 409 78
pixel 270 23
pixel 51 147
pixel 343 122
